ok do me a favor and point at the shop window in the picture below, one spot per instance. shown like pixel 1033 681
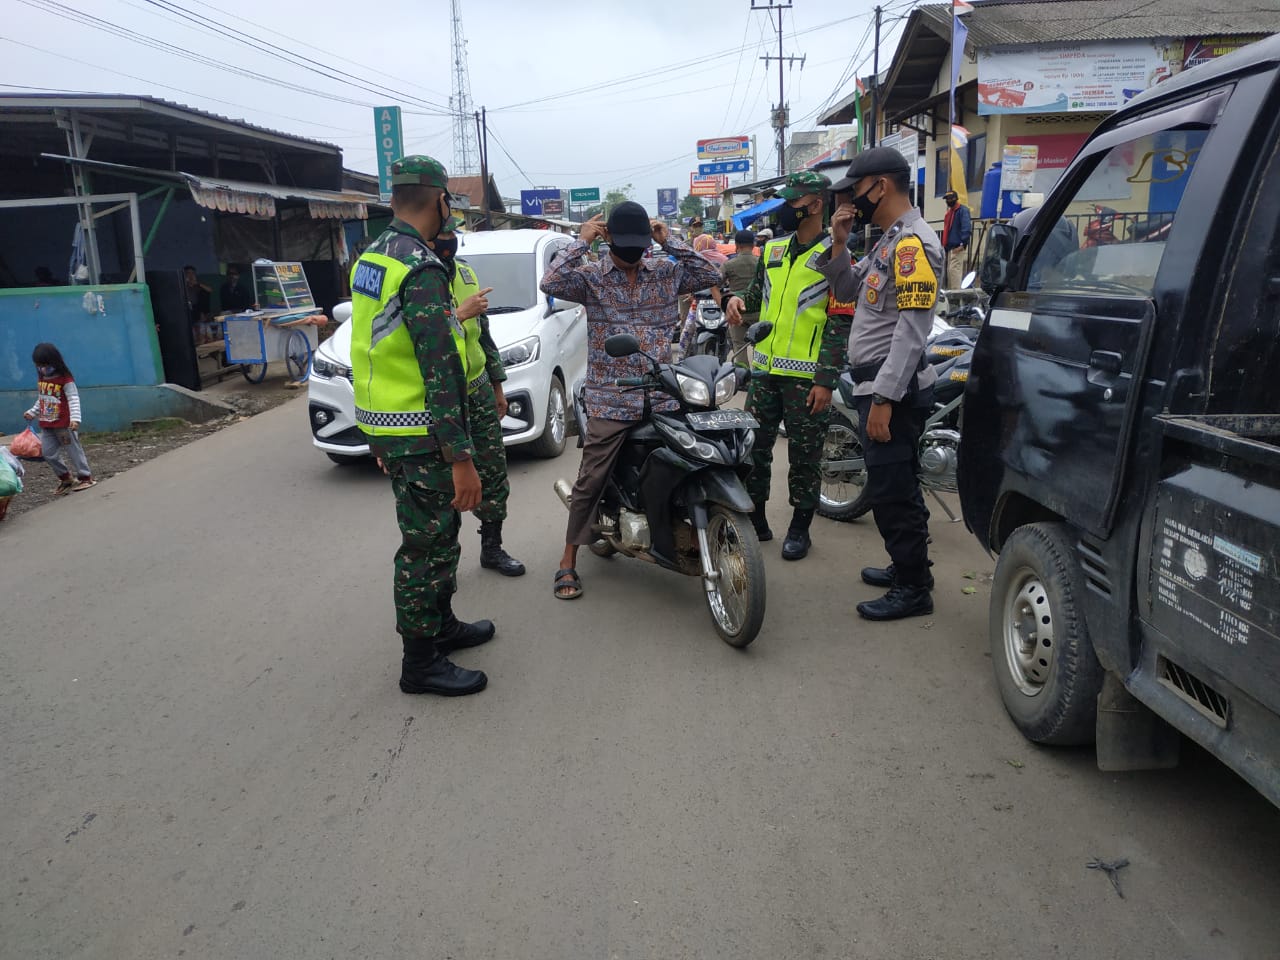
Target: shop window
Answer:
pixel 976 161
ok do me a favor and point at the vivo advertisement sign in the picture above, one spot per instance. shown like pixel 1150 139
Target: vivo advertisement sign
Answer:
pixel 724 148
pixel 531 202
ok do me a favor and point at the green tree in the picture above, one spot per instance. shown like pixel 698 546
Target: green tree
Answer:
pixel 692 206
pixel 611 199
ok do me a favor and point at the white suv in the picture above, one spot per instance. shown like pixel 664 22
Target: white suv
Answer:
pixel 543 343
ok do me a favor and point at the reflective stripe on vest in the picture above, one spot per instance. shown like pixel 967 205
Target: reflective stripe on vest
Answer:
pixel 795 302
pixel 391 398
pixel 465 285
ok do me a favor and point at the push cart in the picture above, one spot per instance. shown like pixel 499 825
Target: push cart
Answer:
pixel 283 327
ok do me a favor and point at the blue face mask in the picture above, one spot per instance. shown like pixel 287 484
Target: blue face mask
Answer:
pixel 45 371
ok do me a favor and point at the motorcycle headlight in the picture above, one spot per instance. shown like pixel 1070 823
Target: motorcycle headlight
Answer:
pixel 687 442
pixel 695 392
pixel 726 387
pixel 521 352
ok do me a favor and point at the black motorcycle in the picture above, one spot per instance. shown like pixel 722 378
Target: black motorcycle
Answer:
pixel 676 496
pixel 844 473
pixel 711 336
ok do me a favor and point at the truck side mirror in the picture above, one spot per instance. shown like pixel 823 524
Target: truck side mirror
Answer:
pixel 998 256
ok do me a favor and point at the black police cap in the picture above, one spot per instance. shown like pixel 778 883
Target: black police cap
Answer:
pixel 876 161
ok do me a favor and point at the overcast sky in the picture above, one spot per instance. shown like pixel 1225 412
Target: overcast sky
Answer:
pixel 558 78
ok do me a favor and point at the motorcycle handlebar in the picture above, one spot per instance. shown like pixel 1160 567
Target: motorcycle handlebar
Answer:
pixel 631 381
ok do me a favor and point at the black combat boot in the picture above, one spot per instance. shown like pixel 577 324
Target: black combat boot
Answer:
pixel 761 523
pixel 796 546
pixel 901 601
pixel 492 556
pixel 457 634
pixel 426 670
pixel 885 576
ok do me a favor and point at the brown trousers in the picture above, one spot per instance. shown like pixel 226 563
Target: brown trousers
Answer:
pixel 600 449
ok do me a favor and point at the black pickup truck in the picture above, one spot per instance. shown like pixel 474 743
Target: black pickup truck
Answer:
pixel 1121 438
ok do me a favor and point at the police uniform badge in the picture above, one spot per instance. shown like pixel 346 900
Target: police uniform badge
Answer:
pixel 776 254
pixel 873 295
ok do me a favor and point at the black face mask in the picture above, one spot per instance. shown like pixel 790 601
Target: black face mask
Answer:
pixel 446 250
pixel 952 201
pixel 789 217
pixel 628 254
pixel 865 205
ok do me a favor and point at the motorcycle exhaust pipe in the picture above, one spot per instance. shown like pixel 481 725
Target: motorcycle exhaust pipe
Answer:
pixel 564 490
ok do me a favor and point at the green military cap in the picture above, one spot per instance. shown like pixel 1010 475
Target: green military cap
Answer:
pixel 420 170
pixel 806 183
pixel 452 224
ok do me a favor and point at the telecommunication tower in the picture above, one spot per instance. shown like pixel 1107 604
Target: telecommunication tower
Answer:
pixel 464 145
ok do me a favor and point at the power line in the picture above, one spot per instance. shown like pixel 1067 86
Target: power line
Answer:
pixel 507 153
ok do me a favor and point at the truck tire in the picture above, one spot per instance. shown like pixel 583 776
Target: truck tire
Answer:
pixel 1047 672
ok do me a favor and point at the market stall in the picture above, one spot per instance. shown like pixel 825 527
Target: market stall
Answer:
pixel 283 326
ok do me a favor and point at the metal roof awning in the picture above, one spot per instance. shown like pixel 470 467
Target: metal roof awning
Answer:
pixel 743 217
pixel 243 197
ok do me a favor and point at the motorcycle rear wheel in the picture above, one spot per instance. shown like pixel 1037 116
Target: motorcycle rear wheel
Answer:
pixel 842 495
pixel 737 600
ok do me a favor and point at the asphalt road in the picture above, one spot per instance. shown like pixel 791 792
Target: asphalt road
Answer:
pixel 205 753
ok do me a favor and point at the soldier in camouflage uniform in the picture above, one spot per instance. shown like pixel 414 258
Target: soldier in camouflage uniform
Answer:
pixel 486 405
pixel 791 293
pixel 410 376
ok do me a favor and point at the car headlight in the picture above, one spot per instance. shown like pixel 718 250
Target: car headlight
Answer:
pixel 694 391
pixel 726 387
pixel 521 352
pixel 327 369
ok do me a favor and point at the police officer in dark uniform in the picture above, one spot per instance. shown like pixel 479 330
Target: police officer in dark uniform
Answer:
pixel 880 314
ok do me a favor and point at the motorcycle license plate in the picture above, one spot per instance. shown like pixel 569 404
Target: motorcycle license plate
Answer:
pixel 721 420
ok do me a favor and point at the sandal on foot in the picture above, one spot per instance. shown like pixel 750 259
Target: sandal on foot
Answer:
pixel 64 487
pixel 567 579
pixel 84 484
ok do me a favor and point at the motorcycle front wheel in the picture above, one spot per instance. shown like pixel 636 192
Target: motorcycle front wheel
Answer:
pixel 736 599
pixel 842 495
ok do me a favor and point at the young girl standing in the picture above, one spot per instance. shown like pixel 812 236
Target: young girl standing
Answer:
pixel 57 410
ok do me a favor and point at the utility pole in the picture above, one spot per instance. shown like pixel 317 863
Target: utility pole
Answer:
pixel 482 140
pixel 464 157
pixel 780 117
pixel 875 82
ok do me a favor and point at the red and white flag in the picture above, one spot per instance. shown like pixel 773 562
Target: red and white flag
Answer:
pixel 959 7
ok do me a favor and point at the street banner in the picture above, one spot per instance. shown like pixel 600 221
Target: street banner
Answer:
pixel 531 201
pixel 389 139
pixel 724 166
pixel 724 148
pixel 584 195
pixel 552 208
pixel 1198 50
pixel 706 186
pixel 1072 77
pixel 668 201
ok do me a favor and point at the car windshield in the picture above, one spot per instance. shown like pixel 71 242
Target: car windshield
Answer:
pixel 511 275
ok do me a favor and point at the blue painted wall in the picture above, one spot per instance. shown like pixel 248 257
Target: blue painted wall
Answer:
pixel 110 344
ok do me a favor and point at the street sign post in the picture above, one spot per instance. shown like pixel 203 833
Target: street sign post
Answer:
pixel 724 166
pixel 668 201
pixel 724 148
pixel 531 201
pixel 584 195
pixel 389 138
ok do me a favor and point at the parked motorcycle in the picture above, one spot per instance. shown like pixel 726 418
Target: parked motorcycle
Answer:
pixel 676 496
pixel 842 495
pixel 711 331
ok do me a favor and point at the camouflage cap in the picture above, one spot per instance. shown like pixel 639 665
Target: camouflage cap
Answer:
pixel 421 170
pixel 806 183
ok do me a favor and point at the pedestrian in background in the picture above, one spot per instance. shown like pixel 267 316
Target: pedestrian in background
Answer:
pixel 957 231
pixel 735 279
pixel 410 370
pixel 57 411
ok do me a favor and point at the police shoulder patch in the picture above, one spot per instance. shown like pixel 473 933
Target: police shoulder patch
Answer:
pixel 776 254
pixel 467 273
pixel 367 279
pixel 915 283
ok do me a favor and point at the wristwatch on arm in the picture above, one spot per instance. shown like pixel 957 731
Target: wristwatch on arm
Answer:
pixel 879 399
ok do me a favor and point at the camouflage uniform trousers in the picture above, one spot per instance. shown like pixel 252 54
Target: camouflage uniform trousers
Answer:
pixel 427 561
pixel 773 400
pixel 491 455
